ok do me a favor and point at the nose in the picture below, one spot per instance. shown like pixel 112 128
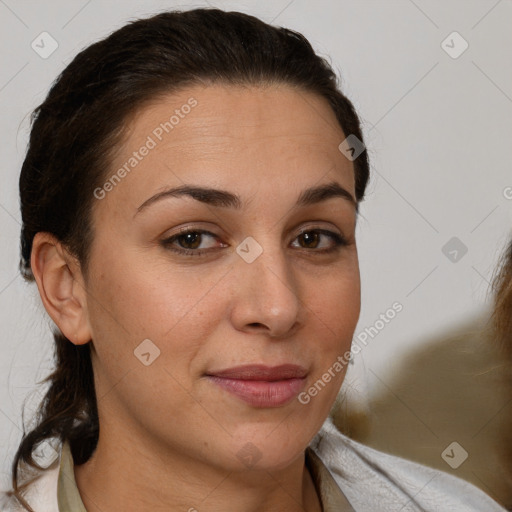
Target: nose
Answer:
pixel 266 295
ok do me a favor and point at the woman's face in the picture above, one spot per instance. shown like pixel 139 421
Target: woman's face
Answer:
pixel 248 271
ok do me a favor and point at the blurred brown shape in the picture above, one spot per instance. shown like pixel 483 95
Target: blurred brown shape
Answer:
pixel 456 388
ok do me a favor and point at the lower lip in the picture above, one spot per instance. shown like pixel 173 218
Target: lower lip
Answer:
pixel 261 393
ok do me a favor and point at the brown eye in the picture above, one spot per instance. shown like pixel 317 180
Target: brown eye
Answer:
pixel 310 239
pixel 189 240
pixel 314 238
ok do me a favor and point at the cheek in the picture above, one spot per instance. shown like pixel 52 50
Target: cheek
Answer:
pixel 135 300
pixel 334 313
pixel 335 305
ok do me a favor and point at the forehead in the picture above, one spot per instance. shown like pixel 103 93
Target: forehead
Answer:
pixel 229 136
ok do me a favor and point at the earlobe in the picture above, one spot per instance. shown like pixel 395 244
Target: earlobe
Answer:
pixel 61 287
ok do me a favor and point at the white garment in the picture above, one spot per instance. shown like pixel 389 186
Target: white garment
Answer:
pixel 371 480
pixel 374 481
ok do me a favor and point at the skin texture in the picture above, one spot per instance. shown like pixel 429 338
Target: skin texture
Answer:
pixel 169 437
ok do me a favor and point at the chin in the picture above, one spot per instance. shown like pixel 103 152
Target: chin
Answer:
pixel 273 446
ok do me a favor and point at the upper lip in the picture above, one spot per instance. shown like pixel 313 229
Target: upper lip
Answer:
pixel 262 372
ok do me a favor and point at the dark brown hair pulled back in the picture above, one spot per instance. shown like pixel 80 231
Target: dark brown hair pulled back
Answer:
pixel 78 127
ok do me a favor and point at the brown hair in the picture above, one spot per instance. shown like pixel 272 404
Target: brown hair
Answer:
pixel 502 313
pixel 502 334
pixel 79 125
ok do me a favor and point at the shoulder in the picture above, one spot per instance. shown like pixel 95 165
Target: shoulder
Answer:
pixel 374 480
pixel 40 493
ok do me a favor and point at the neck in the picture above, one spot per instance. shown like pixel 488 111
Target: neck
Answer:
pixel 123 475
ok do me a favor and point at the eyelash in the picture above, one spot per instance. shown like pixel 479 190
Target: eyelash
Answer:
pixel 339 241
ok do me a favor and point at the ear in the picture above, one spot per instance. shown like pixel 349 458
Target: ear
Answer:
pixel 61 287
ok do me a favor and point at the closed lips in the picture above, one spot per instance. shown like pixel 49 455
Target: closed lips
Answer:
pixel 262 372
pixel 262 386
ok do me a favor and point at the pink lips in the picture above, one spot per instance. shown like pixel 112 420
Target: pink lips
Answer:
pixel 260 385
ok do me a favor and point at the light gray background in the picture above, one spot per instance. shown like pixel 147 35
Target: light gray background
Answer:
pixel 438 131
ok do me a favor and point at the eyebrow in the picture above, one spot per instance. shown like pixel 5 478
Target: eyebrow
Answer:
pixel 223 198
